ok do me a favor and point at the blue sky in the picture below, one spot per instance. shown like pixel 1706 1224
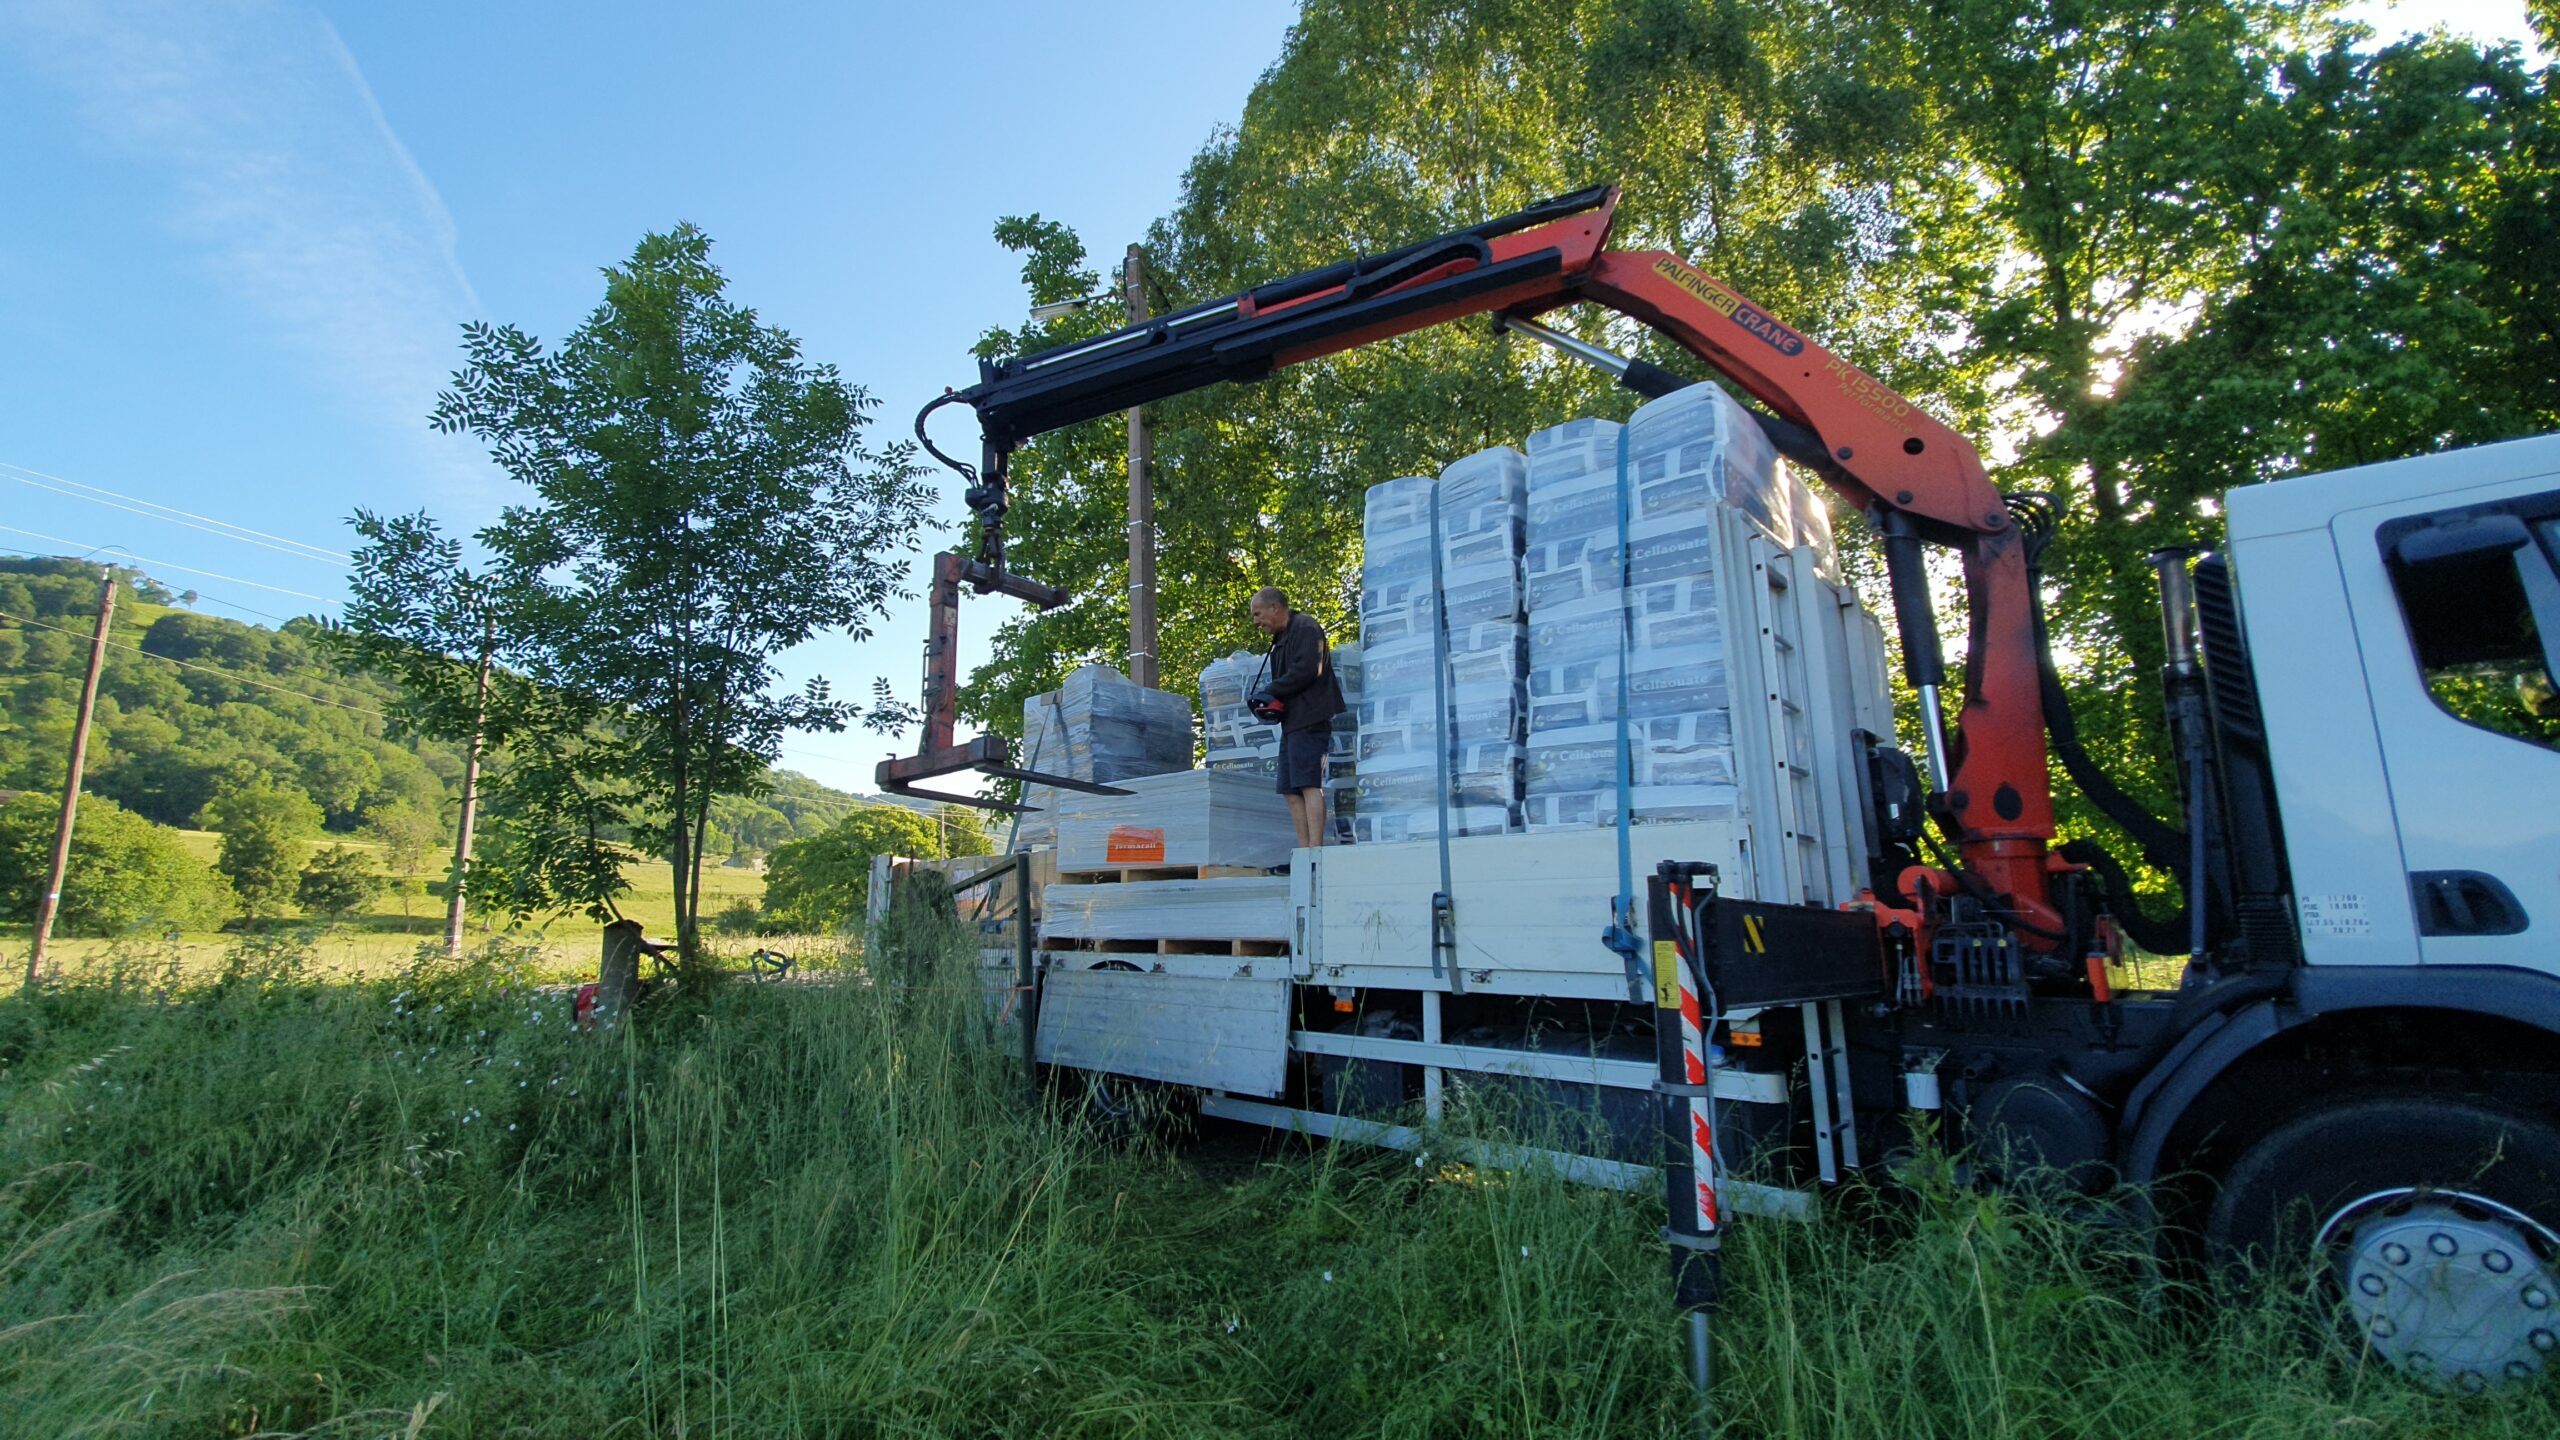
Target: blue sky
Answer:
pixel 239 235
pixel 242 234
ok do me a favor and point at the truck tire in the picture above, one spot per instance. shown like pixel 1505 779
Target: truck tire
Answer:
pixel 2437 1220
pixel 1124 1110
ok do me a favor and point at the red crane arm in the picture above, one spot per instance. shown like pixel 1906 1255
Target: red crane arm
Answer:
pixel 1918 478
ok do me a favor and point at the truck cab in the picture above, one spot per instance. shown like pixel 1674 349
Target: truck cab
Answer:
pixel 2403 622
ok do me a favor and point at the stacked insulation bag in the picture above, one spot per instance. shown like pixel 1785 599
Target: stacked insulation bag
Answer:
pixel 1411 732
pixel 1685 454
pixel 1342 752
pixel 1234 739
pixel 1099 725
pixel 1238 742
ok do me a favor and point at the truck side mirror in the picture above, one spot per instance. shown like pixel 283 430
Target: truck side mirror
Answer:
pixel 2470 538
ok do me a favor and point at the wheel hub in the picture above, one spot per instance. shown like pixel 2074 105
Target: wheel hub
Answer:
pixel 2453 1289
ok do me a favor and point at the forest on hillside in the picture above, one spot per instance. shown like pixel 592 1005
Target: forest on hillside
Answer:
pixel 189 702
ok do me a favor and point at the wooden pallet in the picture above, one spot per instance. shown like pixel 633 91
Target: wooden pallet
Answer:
pixel 1161 872
pixel 1242 948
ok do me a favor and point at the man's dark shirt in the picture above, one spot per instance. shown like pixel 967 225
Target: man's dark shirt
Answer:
pixel 1302 674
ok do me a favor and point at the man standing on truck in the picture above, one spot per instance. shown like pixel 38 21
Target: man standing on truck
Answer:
pixel 1308 698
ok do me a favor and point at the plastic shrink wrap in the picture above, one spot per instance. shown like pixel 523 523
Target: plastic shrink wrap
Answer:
pixel 1098 726
pixel 1238 742
pixel 1685 454
pixel 1407 724
pixel 1189 818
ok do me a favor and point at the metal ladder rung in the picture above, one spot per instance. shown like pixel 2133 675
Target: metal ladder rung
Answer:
pixel 1835 1126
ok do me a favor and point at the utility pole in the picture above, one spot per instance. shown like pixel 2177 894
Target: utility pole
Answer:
pixel 453 914
pixel 51 900
pixel 1142 502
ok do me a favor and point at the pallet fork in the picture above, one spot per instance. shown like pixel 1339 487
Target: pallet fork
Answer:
pixel 937 754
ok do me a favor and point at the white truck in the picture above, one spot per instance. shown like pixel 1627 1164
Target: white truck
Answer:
pixel 2361 1052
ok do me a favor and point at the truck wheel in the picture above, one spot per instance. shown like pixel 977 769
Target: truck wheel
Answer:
pixel 1125 1110
pixel 2438 1221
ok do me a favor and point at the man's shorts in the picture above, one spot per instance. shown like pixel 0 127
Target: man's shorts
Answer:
pixel 1302 759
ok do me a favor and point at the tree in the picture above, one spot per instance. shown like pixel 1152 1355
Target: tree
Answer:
pixel 822 885
pixel 2201 244
pixel 702 502
pixel 405 834
pixel 964 831
pixel 263 827
pixel 2138 250
pixel 1752 136
pixel 337 882
pixel 126 873
pixel 423 619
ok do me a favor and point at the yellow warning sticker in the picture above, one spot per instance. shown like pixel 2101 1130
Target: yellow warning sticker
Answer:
pixel 1666 975
pixel 1752 939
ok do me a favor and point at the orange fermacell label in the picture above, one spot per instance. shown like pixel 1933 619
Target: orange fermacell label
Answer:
pixel 1134 845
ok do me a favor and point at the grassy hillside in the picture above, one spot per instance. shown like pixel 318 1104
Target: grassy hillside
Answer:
pixel 190 702
pixel 187 700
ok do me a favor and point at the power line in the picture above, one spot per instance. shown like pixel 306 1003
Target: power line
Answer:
pixel 206 669
pixel 153 509
pixel 206 596
pixel 173 565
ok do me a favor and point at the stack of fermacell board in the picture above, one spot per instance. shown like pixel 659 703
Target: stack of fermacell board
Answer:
pixel 1180 865
pixel 1686 454
pixel 1537 603
pixel 1241 743
pixel 1417 737
pixel 1097 726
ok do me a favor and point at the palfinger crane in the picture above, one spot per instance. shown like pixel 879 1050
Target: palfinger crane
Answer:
pixel 1921 482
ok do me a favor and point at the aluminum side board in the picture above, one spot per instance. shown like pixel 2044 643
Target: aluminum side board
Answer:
pixel 1183 1030
pixel 1530 909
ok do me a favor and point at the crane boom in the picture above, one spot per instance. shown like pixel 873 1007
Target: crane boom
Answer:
pixel 1918 480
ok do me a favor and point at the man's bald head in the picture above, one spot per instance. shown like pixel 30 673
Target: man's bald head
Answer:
pixel 1270 609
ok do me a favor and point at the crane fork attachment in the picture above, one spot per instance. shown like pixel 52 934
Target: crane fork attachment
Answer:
pixel 938 755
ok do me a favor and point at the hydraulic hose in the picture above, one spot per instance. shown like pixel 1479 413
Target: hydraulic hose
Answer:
pixel 2162 845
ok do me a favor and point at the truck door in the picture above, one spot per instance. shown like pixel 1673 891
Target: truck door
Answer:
pixel 2458 619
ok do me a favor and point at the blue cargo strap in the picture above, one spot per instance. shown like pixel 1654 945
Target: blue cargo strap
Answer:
pixel 1444 919
pixel 1622 935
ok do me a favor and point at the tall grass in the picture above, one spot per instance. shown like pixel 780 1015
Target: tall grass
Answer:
pixel 259 1202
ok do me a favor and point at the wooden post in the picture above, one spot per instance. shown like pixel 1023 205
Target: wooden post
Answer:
pixel 51 900
pixel 1142 502
pixel 453 915
pixel 618 975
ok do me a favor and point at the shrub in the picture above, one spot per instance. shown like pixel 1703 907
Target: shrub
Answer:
pixel 821 885
pixel 739 917
pixel 262 825
pixel 126 873
pixel 337 882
